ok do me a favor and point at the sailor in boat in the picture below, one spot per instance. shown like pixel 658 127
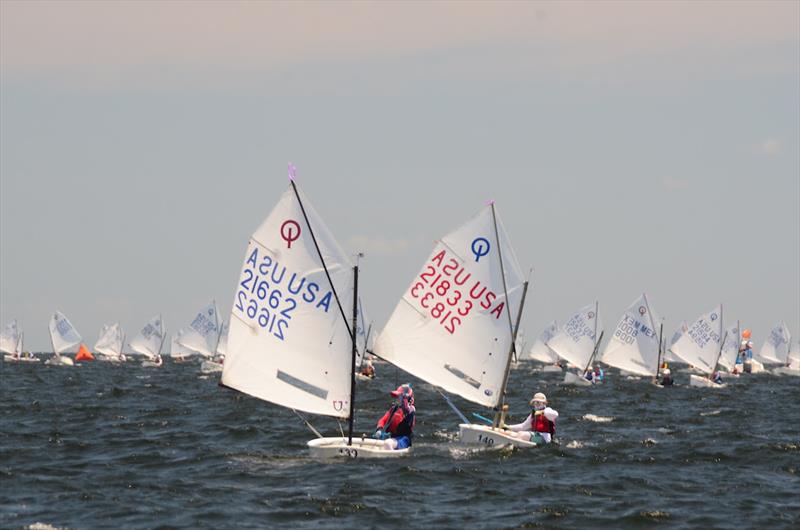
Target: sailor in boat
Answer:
pixel 666 375
pixel 396 427
pixel 746 348
pixel 158 361
pixel 540 425
pixel 368 370
pixel 599 374
pixel 717 377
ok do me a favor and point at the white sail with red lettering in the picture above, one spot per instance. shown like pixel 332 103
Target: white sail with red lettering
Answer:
pixel 289 342
pixel 452 326
pixel 634 345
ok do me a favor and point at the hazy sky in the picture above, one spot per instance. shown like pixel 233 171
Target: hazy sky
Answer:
pixel 630 146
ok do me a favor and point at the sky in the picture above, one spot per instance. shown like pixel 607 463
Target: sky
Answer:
pixel 630 147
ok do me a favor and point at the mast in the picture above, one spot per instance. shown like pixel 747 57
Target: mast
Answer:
pixel 52 342
pixel 721 342
pixel 660 346
pixel 653 326
pixel 353 360
pixel 596 344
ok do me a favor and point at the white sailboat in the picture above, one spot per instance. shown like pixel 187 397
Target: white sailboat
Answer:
pixel 668 355
pixel 109 343
pixel 203 332
pixel 456 324
pixel 730 351
pixel 214 364
pixel 776 347
pixel 541 352
pixel 149 341
pixel 177 351
pixel 792 362
pixel 635 345
pixel 11 343
pixel 290 341
pixel 577 342
pixel 701 347
pixel 365 340
pixel 63 336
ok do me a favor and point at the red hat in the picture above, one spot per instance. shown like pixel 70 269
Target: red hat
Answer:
pixel 404 390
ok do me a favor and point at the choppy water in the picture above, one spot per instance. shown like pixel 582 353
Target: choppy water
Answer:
pixel 105 446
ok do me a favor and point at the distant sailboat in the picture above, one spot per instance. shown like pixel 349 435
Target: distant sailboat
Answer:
pixel 792 362
pixel 149 341
pixel 635 345
pixel 109 343
pixel 577 342
pixel 215 364
pixel 63 336
pixel 541 352
pixel 701 347
pixel 730 351
pixel 776 347
pixel 177 351
pixel 365 338
pixel 202 335
pixel 668 355
pixel 456 324
pixel 291 341
pixel 11 341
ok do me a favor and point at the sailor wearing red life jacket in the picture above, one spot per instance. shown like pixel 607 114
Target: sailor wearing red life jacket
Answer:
pixel 540 425
pixel 396 427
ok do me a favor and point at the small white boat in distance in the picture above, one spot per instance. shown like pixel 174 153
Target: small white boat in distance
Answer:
pixel 109 343
pixel 793 361
pixel 149 341
pixel 577 342
pixel 775 349
pixel 701 347
pixel 63 336
pixel 541 352
pixel 635 346
pixel 11 344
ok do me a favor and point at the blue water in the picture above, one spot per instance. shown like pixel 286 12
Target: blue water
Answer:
pixel 110 446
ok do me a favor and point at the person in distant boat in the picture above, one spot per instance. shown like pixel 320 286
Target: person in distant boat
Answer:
pixel 746 348
pixel 396 427
pixel 540 425
pixel 589 375
pixel 158 360
pixel 368 370
pixel 599 374
pixel 717 377
pixel 666 375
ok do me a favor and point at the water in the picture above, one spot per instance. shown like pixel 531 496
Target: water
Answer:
pixel 103 446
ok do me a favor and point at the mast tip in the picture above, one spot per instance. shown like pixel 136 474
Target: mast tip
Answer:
pixel 292 172
pixel 490 202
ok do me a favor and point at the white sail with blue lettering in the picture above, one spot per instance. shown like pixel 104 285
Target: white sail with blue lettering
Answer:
pixel 634 345
pixel 700 345
pixel 9 338
pixel 150 339
pixel 776 348
pixel 730 348
pixel 540 351
pixel 452 326
pixel 575 341
pixel 203 333
pixel 288 341
pixel 62 333
pixel 110 341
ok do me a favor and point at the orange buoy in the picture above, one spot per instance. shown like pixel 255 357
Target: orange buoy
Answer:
pixel 84 354
pixel 746 334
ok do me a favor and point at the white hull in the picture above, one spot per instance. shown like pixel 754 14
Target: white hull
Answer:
pixel 210 367
pixel 151 364
pixel 60 360
pixel 786 370
pixel 361 448
pixel 703 382
pixel 574 379
pixel 753 367
pixel 474 434
pixel 550 369
pixel 12 359
pixel 107 359
pixel 362 377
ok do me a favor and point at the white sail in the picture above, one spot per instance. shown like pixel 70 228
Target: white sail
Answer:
pixel 150 339
pixel 9 338
pixel 668 355
pixel 62 333
pixel 222 343
pixel 700 345
pixel 634 345
pixel 575 340
pixel 364 335
pixel 776 347
pixel 109 342
pixel 202 334
pixel 20 339
pixel 540 351
pixel 794 355
pixel 730 348
pixel 451 327
pixel 288 341
pixel 177 349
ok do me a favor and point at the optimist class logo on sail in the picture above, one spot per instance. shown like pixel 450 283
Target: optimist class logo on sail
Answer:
pixel 270 292
pixel 444 292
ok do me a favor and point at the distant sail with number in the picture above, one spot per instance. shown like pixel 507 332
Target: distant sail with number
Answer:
pixel 150 339
pixel 776 348
pixel 575 341
pixel 288 341
pixel 730 348
pixel 62 333
pixel 202 334
pixel 540 351
pixel 176 349
pixel 222 343
pixel 700 345
pixel 634 345
pixel 453 325
pixel 10 338
pixel 110 341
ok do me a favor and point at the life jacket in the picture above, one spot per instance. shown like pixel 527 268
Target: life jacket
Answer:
pixel 397 423
pixel 542 424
